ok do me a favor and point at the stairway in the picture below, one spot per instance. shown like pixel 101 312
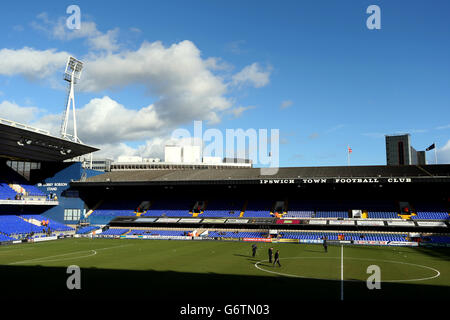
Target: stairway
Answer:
pixel 243 209
pixel 32 221
pixel 93 209
pixel 17 188
pixel 138 214
pixel 129 230
pixel 196 214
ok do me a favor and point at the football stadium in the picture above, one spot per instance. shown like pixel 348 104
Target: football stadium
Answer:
pixel 159 233
pixel 93 213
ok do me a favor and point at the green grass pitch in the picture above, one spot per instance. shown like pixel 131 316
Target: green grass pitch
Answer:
pixel 213 270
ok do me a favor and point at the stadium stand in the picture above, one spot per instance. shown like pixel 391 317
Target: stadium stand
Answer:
pixel 114 232
pixel 159 232
pixel 255 173
pixel 170 208
pixel 223 208
pixel 237 234
pixel 430 211
pixel 347 236
pixel 6 193
pixel 5 238
pixel 111 209
pixel 31 190
pixel 430 216
pixel 331 214
pixel 258 209
pixel 11 180
pixel 383 215
pixel 53 225
pixel 300 214
pixel 438 239
pixel 87 229
pixel 15 226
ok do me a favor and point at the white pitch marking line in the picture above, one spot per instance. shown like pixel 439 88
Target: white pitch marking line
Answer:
pixel 45 259
pixel 362 259
pixel 65 254
pixel 8 251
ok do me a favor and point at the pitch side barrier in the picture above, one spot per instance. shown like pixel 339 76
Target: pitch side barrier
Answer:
pixel 37 239
pixel 264 240
pixel 294 224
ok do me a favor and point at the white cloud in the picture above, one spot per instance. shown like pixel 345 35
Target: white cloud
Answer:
pixel 96 39
pixel 286 104
pixel 376 135
pixel 443 127
pixel 186 87
pixel 104 120
pixel 236 46
pixel 135 30
pixel 411 131
pixel 253 75
pixel 50 122
pixel 335 128
pixel 32 64
pixel 443 154
pixel 106 41
pixel 107 125
pixel 114 150
pixel 153 148
pixel 12 111
pixel 18 28
pixel 238 111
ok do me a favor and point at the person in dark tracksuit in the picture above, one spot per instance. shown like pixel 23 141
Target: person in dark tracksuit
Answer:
pixel 270 254
pixel 254 247
pixel 325 245
pixel 277 258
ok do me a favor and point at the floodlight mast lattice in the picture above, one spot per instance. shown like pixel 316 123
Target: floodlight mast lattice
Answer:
pixel 72 74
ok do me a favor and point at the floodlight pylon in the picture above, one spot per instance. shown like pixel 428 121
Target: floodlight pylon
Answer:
pixel 72 74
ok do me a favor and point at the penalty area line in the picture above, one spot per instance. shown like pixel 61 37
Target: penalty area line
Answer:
pixel 46 259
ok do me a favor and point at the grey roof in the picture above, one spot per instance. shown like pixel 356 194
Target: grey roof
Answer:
pixel 26 145
pixel 283 173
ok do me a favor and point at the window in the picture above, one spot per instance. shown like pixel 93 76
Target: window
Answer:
pixel 72 214
pixel 401 155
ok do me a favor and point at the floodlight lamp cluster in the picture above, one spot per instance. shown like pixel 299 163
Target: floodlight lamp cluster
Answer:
pixel 41 143
pixel 73 70
pixel 24 141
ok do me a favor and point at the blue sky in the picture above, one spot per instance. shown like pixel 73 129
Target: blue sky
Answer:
pixel 311 69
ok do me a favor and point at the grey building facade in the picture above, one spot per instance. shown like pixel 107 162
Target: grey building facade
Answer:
pixel 399 151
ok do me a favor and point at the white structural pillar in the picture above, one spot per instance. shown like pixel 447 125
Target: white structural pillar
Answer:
pixel 72 75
